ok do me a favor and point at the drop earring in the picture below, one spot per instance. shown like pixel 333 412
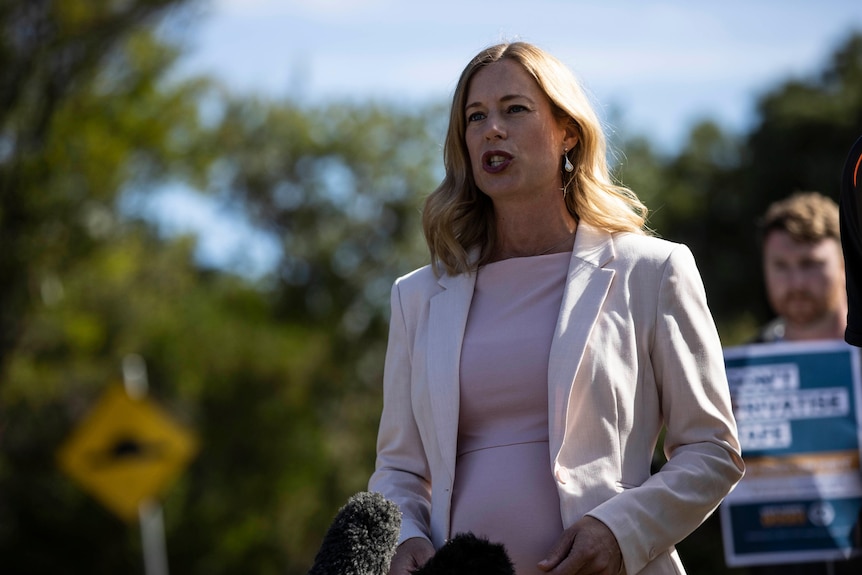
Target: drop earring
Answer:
pixel 568 166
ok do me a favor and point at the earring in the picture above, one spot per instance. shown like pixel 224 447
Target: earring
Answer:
pixel 569 167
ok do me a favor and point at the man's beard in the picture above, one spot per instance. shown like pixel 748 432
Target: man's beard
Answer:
pixel 802 307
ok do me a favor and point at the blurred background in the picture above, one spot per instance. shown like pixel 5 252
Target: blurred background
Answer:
pixel 227 189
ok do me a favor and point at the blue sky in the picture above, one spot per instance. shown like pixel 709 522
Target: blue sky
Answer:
pixel 662 64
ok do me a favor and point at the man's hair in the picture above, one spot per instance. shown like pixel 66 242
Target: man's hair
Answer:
pixel 806 216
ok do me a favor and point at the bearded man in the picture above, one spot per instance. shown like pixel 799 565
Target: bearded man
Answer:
pixel 803 267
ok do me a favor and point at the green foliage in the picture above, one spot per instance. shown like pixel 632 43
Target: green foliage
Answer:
pixel 80 118
pixel 279 377
pixel 711 194
pixel 341 187
pixel 217 362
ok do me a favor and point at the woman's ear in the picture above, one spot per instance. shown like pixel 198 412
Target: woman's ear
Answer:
pixel 573 134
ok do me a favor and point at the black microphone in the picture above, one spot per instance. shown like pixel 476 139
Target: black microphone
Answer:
pixel 361 539
pixel 469 554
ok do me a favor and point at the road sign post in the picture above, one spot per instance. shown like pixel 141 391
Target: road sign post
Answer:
pixel 125 454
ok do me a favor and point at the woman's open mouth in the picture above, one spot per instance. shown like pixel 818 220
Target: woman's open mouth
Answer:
pixel 495 161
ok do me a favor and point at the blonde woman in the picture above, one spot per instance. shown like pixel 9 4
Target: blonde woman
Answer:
pixel 533 364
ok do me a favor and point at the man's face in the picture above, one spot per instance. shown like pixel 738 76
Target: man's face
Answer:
pixel 804 281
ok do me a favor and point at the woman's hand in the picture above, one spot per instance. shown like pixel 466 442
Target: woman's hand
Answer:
pixel 586 548
pixel 410 555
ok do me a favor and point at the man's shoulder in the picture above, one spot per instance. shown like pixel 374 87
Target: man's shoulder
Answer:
pixel 771 332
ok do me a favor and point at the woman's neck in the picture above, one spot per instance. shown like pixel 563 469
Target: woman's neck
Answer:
pixel 532 232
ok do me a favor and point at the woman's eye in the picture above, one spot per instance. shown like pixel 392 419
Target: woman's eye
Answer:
pixel 517 108
pixel 475 116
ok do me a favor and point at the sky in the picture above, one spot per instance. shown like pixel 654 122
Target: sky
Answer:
pixel 659 66
pixel 663 63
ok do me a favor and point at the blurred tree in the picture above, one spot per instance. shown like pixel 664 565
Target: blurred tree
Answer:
pixel 279 377
pixel 341 185
pixel 273 376
pixel 62 61
pixel 710 195
pixel 800 141
pixel 219 363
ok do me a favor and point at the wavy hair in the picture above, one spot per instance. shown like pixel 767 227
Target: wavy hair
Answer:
pixel 808 217
pixel 458 219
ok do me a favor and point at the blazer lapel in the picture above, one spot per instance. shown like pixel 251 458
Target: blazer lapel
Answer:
pixel 447 321
pixel 586 289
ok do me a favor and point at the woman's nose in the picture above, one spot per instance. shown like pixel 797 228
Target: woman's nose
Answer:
pixel 494 128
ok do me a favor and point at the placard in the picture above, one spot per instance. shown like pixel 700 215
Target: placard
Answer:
pixel 798 407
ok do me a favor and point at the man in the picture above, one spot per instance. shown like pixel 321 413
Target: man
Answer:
pixel 803 269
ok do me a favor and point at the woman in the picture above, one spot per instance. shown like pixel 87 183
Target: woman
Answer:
pixel 533 364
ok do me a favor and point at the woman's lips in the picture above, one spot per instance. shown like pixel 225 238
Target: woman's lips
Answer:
pixel 495 161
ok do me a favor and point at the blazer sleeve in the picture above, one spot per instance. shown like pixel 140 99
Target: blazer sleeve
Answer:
pixel 701 443
pixel 402 473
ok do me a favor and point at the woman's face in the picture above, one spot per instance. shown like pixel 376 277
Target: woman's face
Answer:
pixel 514 141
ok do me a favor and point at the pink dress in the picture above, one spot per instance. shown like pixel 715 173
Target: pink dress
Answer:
pixel 504 487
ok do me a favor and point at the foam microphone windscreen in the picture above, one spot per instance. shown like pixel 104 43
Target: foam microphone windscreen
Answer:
pixel 469 554
pixel 361 539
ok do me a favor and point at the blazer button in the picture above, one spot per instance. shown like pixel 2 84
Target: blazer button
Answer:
pixel 563 475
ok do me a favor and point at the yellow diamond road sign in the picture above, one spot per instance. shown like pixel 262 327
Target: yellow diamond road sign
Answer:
pixel 126 451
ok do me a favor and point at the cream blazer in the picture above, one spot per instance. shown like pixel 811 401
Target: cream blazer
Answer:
pixel 635 349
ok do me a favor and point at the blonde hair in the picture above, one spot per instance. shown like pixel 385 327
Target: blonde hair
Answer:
pixel 458 219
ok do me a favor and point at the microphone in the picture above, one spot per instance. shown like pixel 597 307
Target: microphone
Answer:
pixel 469 554
pixel 361 539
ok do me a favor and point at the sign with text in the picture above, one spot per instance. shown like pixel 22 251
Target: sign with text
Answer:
pixel 798 407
